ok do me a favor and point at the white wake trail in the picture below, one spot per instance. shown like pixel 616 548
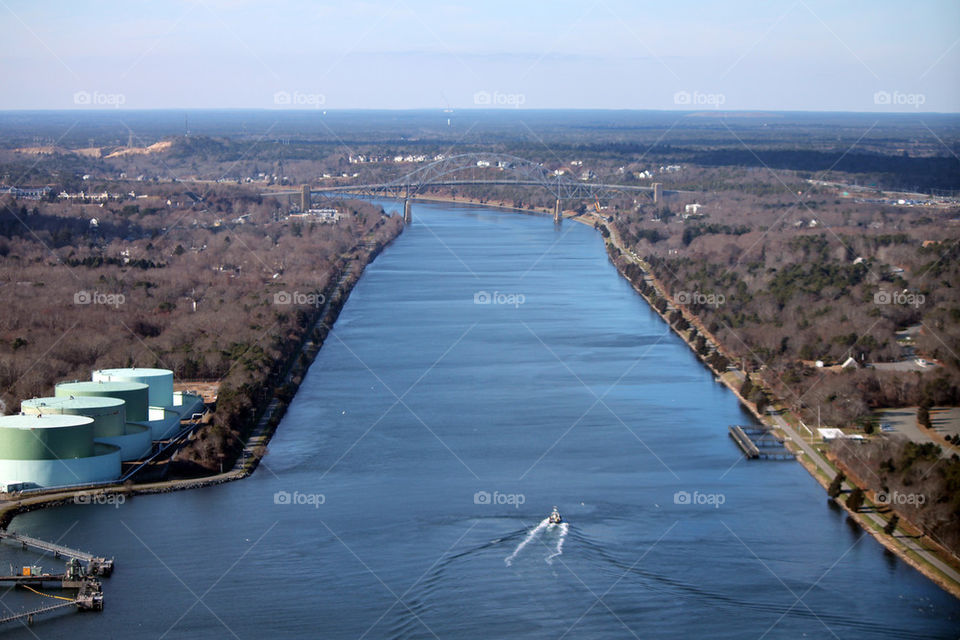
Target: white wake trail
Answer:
pixel 564 527
pixel 530 536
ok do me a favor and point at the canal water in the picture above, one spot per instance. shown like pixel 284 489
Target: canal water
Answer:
pixel 489 367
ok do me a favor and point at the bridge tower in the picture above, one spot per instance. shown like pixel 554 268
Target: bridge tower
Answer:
pixel 407 215
pixel 305 201
pixel 657 192
pixel 557 212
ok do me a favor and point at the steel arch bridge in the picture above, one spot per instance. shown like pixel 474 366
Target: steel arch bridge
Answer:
pixel 482 169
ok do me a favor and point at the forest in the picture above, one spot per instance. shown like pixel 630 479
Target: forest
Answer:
pixel 815 278
pixel 171 283
pixel 822 253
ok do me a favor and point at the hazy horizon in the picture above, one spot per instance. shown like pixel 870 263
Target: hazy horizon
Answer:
pixel 800 56
pixel 696 112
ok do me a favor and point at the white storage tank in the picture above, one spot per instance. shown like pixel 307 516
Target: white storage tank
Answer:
pixel 160 382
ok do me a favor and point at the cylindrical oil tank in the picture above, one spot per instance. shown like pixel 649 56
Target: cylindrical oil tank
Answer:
pixel 134 395
pixel 109 416
pixel 160 382
pixel 46 437
pixel 134 444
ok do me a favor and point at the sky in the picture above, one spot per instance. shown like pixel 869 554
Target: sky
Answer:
pixel 798 55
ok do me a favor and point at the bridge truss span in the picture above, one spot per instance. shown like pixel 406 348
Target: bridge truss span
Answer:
pixel 484 169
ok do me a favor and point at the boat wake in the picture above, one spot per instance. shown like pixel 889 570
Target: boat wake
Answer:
pixel 544 526
pixel 564 528
pixel 529 537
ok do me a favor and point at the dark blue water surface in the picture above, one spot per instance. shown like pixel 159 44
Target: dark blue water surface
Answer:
pixel 438 433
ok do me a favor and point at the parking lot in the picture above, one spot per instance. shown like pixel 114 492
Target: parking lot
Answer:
pixel 946 421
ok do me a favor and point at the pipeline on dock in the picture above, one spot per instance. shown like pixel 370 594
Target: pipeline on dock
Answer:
pixel 89 592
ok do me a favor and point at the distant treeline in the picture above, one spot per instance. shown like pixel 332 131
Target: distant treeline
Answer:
pixel 902 172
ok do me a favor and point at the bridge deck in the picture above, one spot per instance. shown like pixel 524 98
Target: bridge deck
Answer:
pixel 483 169
pixel 569 191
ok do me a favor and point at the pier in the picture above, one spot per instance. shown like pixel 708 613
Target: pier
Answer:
pixel 29 616
pixel 96 565
pixel 89 595
pixel 759 442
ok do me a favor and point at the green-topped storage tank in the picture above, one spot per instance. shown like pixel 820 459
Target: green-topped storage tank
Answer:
pixel 109 416
pixel 134 394
pixel 46 437
pixel 53 450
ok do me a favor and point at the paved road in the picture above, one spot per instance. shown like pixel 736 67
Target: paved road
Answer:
pixel 823 465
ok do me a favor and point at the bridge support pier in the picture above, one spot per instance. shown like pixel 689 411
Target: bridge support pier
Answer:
pixel 407 216
pixel 557 213
pixel 305 198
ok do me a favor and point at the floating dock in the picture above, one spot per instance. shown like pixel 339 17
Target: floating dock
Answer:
pixel 746 444
pixel 759 442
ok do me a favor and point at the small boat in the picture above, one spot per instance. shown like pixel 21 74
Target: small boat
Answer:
pixel 555 517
